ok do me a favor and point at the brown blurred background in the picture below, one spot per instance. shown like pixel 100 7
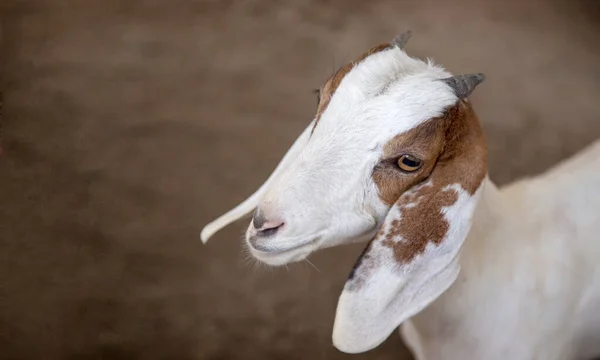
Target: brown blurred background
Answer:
pixel 128 125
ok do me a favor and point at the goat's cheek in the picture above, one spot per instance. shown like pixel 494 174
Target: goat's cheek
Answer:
pixel 390 185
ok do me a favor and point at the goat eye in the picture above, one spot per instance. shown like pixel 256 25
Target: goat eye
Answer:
pixel 409 163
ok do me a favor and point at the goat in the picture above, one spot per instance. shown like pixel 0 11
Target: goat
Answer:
pixel 395 156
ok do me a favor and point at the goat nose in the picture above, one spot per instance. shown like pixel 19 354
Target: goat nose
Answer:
pixel 264 226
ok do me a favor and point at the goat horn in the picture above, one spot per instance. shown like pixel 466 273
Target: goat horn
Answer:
pixel 463 85
pixel 401 40
pixel 251 202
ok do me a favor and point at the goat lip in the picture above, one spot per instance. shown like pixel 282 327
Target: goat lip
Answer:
pixel 275 251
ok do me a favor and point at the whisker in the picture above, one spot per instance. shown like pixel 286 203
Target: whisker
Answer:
pixel 249 260
pixel 313 265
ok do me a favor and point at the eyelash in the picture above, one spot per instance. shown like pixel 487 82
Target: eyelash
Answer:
pixel 392 163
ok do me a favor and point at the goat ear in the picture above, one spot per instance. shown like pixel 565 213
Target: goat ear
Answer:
pixel 248 205
pixel 413 258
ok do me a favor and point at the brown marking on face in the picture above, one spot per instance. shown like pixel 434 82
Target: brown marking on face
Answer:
pixel 424 142
pixel 452 148
pixel 331 85
pixel 420 225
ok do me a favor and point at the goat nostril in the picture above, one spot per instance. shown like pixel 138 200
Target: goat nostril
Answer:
pixel 263 226
pixel 258 219
pixel 269 228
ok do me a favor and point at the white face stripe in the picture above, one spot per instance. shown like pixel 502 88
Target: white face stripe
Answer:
pixel 385 94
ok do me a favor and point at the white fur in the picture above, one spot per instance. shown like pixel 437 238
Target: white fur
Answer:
pixel 517 280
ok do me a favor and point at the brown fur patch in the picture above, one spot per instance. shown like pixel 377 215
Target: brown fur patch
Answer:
pixel 452 148
pixel 420 224
pixel 331 85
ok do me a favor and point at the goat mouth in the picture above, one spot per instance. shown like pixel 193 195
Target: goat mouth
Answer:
pixel 279 255
pixel 280 249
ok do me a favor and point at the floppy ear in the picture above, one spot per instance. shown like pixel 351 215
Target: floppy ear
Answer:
pixel 251 202
pixel 413 258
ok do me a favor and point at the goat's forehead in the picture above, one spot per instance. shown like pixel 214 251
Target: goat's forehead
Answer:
pixel 372 72
pixel 384 93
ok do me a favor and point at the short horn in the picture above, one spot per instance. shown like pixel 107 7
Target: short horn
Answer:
pixel 463 85
pixel 251 202
pixel 401 40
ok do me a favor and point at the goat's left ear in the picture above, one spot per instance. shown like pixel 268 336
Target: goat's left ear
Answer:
pixel 413 258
